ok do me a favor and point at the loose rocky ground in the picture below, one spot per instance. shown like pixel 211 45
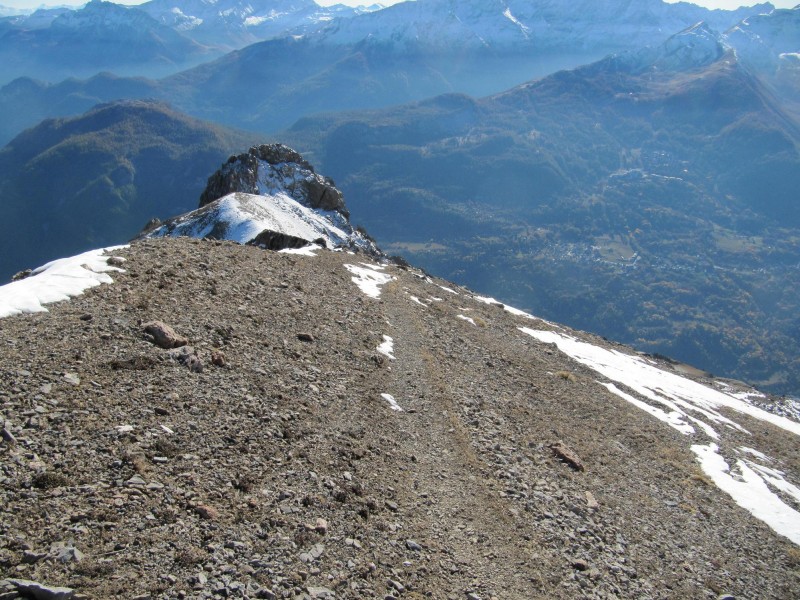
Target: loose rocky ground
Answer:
pixel 262 461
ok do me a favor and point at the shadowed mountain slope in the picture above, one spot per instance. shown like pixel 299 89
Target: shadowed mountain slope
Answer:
pixel 72 184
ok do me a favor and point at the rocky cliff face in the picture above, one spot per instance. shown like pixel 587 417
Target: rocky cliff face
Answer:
pixel 269 197
pixel 271 168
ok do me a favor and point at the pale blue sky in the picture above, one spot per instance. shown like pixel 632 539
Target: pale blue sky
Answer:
pixel 730 4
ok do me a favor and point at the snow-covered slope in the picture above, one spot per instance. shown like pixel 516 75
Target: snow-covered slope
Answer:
pixel 235 23
pixel 59 280
pixel 764 39
pixel 242 218
pixel 504 25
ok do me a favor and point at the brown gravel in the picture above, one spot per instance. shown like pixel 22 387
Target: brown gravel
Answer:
pixel 277 470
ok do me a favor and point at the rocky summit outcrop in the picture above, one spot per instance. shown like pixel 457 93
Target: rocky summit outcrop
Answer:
pixel 270 197
pixel 268 168
pixel 341 428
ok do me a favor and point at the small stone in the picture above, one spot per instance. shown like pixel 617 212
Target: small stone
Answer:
pixel 115 261
pixel 566 454
pixel 320 592
pixel 135 480
pixel 218 358
pixel 69 554
pixel 30 558
pixel 7 436
pixel 72 378
pixel 86 317
pixel 473 596
pixel 164 336
pixel 321 526
pixel 38 591
pixel 726 597
pixel 392 506
pixel 591 501
pixel 305 337
pixel 396 585
pixel 580 565
pixel 414 546
pixel 206 512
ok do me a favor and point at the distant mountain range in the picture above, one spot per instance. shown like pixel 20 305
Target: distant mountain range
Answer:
pixel 54 44
pixel 405 52
pixel 651 196
pixel 236 23
pixel 72 184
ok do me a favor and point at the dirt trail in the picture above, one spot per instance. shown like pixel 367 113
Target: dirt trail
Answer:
pixel 456 509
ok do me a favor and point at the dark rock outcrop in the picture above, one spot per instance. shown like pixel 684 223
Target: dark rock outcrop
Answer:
pixel 268 167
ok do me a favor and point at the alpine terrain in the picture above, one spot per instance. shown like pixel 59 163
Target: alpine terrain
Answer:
pixel 210 419
pixel 650 197
pixel 337 60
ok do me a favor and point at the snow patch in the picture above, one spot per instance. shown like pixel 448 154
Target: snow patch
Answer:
pixel 309 250
pixel 58 280
pixel 467 319
pixel 674 418
pixel 659 386
pixel 368 278
pixel 387 347
pixel 749 490
pixel 392 402
pixel 524 28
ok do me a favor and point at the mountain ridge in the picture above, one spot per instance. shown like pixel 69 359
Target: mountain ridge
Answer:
pixel 212 416
pixel 311 426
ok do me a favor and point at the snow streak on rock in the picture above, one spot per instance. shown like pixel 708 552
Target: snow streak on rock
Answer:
pixel 58 280
pixel 310 250
pixel 749 489
pixel 392 402
pixel 683 404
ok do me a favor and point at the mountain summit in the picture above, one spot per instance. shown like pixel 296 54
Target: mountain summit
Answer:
pixel 269 197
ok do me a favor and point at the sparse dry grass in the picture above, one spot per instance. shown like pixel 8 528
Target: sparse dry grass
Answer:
pixel 566 376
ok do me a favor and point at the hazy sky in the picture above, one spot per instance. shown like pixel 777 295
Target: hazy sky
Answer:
pixel 709 3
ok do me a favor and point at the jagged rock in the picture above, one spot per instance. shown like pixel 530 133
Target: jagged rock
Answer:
pixel 24 274
pixel 273 240
pixel 38 591
pixel 7 436
pixel 274 166
pixel 187 356
pixel 164 336
pixel 565 453
pixel 270 197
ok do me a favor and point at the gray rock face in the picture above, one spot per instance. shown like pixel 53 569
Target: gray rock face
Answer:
pixel 268 167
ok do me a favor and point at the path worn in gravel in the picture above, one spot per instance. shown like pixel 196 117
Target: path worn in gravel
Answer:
pixel 282 471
